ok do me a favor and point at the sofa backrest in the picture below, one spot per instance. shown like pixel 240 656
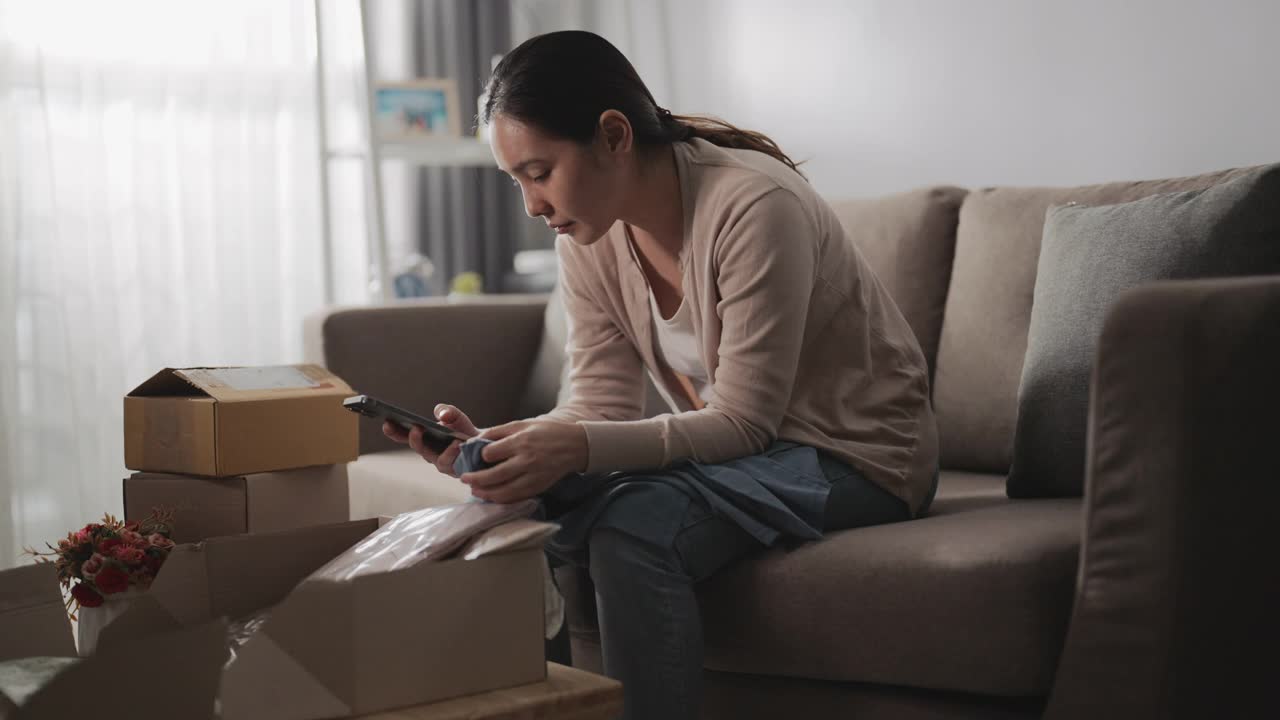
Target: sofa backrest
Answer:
pixel 908 239
pixel 546 387
pixel 988 311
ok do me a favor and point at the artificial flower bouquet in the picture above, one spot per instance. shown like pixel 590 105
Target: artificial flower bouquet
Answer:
pixel 110 557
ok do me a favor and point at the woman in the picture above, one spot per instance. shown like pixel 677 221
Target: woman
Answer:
pixel 697 252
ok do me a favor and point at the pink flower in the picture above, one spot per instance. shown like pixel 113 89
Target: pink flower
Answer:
pixel 83 536
pixel 160 541
pixel 127 554
pixel 91 566
pixel 131 537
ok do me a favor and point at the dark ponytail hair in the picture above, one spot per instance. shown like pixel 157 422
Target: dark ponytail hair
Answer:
pixel 561 82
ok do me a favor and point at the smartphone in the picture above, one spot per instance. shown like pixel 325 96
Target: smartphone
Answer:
pixel 434 435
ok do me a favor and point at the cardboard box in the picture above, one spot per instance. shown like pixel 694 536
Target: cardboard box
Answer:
pixel 220 422
pixel 33 617
pixel 174 670
pixel 261 502
pixel 425 633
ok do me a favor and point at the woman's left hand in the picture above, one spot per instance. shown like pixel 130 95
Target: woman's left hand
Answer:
pixel 530 457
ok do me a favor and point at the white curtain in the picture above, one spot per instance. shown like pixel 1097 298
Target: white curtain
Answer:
pixel 159 207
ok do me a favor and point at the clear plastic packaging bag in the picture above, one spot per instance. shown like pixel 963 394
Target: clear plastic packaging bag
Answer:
pixel 239 632
pixel 430 534
pixel 508 537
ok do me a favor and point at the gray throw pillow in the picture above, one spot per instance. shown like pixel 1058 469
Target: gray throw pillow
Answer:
pixel 1088 257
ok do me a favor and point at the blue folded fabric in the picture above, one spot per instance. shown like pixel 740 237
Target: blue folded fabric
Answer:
pixel 469 460
pixel 780 493
pixel 469 456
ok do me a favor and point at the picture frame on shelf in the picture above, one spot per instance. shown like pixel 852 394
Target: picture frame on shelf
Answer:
pixel 419 109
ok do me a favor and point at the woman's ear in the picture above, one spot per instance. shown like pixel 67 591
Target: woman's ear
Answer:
pixel 614 131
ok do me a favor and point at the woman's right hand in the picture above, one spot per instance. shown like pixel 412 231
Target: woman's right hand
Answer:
pixel 446 415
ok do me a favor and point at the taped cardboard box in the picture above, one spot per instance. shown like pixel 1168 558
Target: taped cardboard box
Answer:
pixel 220 422
pixel 175 669
pixel 260 502
pixel 424 633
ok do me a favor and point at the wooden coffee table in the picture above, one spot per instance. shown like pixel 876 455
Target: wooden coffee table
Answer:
pixel 566 694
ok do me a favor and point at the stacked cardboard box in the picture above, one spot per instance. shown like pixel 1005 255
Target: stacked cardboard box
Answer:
pixel 239 450
pixel 419 634
pixel 250 461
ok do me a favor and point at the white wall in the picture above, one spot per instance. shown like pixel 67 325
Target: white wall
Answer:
pixel 886 95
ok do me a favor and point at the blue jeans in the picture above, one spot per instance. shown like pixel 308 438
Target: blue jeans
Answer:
pixel 650 627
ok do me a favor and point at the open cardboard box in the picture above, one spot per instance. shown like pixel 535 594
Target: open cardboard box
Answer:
pixel 219 422
pixel 428 632
pixel 33 618
pixel 151 663
pixel 260 502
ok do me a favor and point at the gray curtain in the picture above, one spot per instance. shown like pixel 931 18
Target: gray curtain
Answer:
pixel 467 218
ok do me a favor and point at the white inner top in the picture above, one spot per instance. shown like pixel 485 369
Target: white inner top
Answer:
pixel 679 347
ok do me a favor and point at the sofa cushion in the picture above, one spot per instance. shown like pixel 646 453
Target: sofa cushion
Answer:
pixel 1088 257
pixel 909 239
pixel 548 378
pixel 973 597
pixel 988 311
pixel 975 600
pixel 546 387
pixel 398 481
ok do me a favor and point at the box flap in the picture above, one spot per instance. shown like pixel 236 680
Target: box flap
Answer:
pixel 181 587
pixel 250 572
pixel 236 575
pixel 167 383
pixel 180 672
pixel 231 384
pixel 33 617
pixel 290 693
pixel 147 617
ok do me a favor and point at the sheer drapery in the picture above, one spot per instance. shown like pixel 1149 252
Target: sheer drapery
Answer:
pixel 159 207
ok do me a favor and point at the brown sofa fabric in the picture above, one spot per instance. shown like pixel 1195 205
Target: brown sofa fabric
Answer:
pixel 973 598
pixel 975 601
pixel 909 240
pixel 988 311
pixel 763 697
pixel 416 354
pixel 1175 616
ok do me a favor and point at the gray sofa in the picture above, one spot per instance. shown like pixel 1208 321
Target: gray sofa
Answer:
pixel 1140 599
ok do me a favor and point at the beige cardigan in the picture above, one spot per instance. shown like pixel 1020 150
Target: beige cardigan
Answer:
pixel 800 340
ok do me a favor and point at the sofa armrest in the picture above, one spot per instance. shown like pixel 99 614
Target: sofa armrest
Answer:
pixel 1178 582
pixel 474 354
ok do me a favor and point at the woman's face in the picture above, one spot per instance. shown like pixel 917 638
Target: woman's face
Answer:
pixel 571 186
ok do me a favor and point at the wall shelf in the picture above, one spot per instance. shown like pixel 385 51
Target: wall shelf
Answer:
pixel 460 152
pixel 371 151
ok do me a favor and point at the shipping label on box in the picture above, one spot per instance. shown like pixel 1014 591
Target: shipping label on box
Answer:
pixel 219 422
pixel 261 502
pixel 427 632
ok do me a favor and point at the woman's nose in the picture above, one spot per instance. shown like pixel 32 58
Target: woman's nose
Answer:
pixel 535 206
